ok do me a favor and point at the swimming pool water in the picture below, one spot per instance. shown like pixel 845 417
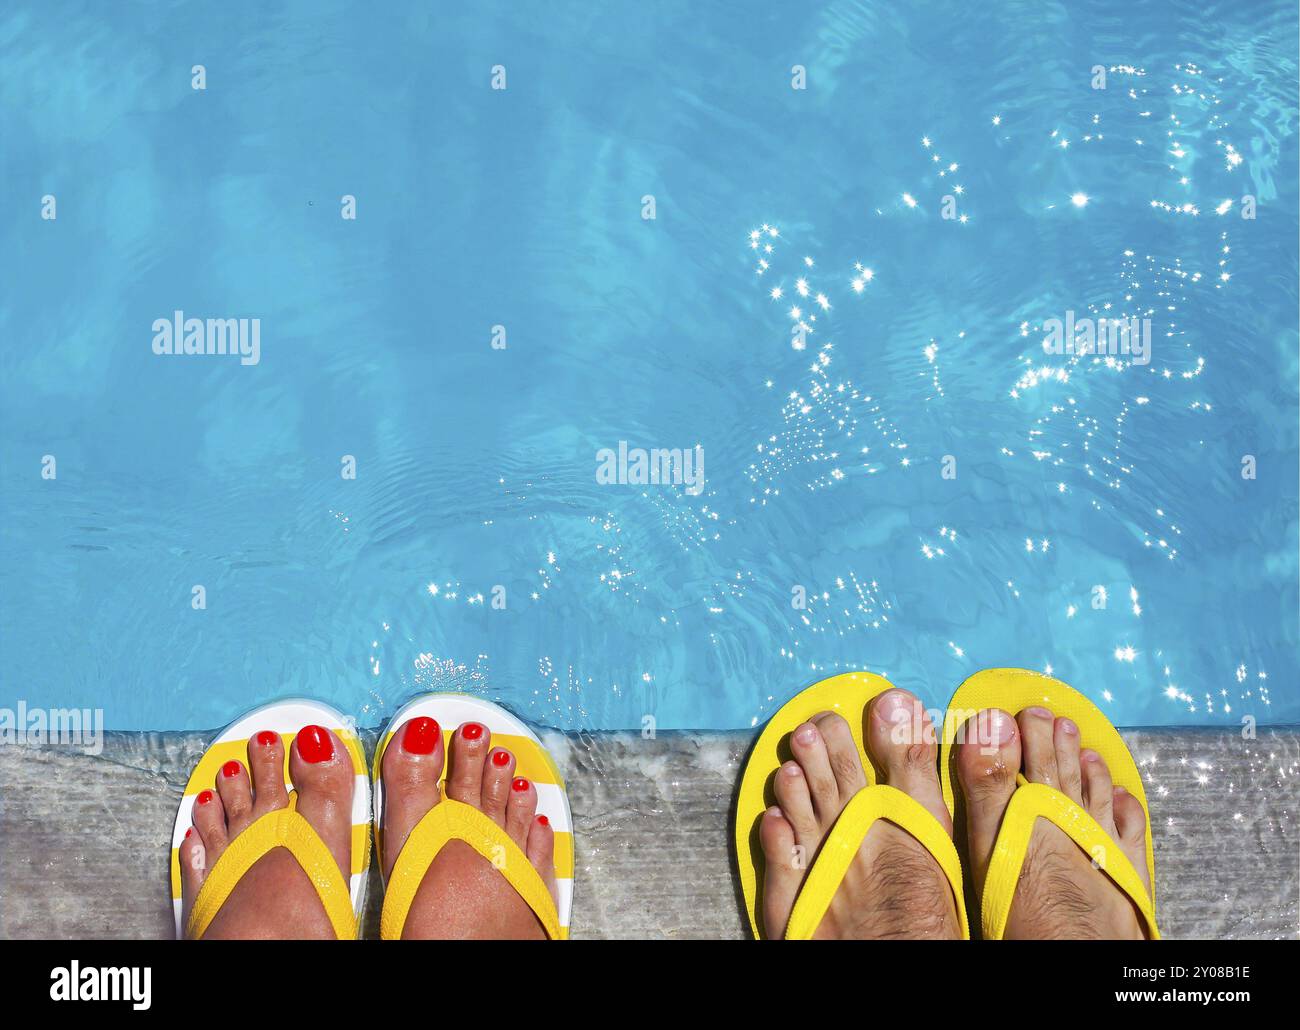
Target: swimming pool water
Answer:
pixel 946 495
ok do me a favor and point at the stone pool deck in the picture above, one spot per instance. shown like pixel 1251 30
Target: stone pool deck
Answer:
pixel 83 840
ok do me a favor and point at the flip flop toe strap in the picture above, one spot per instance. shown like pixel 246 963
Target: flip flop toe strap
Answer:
pixel 846 837
pixel 450 820
pixel 1029 803
pixel 286 829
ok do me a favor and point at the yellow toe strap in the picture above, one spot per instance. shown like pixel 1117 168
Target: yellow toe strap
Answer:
pixel 284 828
pixel 1030 802
pixel 450 820
pixel 847 835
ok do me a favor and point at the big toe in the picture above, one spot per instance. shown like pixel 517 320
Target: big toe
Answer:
pixel 324 779
pixel 988 760
pixel 901 741
pixel 411 768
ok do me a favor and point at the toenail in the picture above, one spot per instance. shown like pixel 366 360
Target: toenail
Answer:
pixel 1120 790
pixel 792 769
pixel 520 785
pixel 806 734
pixel 1068 727
pixel 268 738
pixel 995 728
pixel 543 821
pixel 314 744
pixel 231 769
pixel 421 736
pixel 894 706
pixel 471 731
pixel 1090 756
pixel 1039 713
pixel 500 758
pixel 188 832
pixel 204 797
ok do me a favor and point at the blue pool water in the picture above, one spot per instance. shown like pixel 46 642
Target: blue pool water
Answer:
pixel 523 208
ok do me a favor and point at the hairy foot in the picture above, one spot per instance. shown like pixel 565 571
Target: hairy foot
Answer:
pixel 893 888
pixel 1060 894
pixel 275 899
pixel 463 895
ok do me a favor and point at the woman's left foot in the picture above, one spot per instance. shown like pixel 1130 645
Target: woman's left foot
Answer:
pixel 275 899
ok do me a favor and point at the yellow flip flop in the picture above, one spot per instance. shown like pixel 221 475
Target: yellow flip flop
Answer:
pixel 343 898
pixel 1012 690
pixel 450 820
pixel 848 694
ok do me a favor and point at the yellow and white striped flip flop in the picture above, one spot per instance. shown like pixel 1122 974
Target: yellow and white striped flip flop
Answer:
pixel 284 828
pixel 848 694
pixel 451 820
pixel 1013 690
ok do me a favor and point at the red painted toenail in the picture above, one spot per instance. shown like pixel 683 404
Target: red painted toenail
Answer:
pixel 267 738
pixel 519 785
pixel 421 736
pixel 543 821
pixel 230 770
pixel 314 744
pixel 188 832
pixel 500 757
pixel 471 731
pixel 204 797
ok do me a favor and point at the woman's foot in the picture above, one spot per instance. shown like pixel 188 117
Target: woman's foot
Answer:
pixel 463 895
pixel 1061 894
pixel 275 899
pixel 894 887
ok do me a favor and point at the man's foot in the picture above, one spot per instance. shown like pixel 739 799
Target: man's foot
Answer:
pixel 893 888
pixel 275 899
pixel 463 895
pixel 1060 894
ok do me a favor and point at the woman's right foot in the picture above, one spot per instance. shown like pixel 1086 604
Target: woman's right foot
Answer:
pixel 1061 894
pixel 463 895
pixel 893 888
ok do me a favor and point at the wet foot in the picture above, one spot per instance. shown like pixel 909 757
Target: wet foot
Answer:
pixel 1060 893
pixel 893 888
pixel 463 895
pixel 275 899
